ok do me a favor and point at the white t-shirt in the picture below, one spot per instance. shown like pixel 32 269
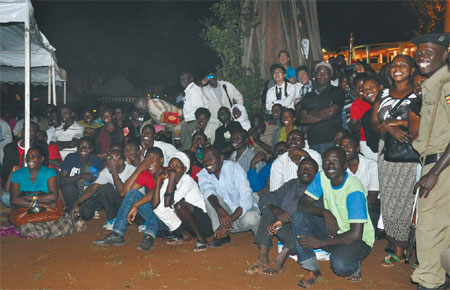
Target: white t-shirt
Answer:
pixel 186 188
pixel 74 131
pixel 367 173
pixel 105 177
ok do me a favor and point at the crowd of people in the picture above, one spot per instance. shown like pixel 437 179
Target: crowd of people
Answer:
pixel 338 156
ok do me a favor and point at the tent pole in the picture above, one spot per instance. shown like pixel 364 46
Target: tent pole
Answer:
pixel 65 91
pixel 48 85
pixel 27 84
pixel 53 82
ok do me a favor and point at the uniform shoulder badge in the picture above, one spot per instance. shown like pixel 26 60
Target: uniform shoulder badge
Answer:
pixel 447 99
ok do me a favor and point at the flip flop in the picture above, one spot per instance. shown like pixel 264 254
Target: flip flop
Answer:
pixel 391 260
pixel 271 269
pixel 254 269
pixel 200 247
pixel 309 279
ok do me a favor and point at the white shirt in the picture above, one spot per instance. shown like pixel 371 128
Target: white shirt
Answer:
pixel 186 188
pixel 286 100
pixel 194 100
pixel 215 101
pixel 74 131
pixel 367 173
pixel 105 177
pixel 50 132
pixel 284 169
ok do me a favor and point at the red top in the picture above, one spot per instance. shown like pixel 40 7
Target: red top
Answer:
pixel 357 111
pixel 146 179
pixel 105 141
pixel 21 153
pixel 195 170
pixel 53 154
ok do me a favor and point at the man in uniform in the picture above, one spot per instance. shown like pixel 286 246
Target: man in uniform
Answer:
pixel 433 227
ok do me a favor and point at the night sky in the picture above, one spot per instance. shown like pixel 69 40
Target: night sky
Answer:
pixel 153 41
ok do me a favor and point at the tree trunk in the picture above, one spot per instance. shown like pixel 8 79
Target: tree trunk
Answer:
pixel 281 25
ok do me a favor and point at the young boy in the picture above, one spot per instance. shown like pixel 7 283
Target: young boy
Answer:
pixel 135 202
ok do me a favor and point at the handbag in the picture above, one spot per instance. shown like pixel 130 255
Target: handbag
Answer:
pixel 21 215
pixel 394 150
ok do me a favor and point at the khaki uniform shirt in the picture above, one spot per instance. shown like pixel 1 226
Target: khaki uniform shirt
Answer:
pixel 440 135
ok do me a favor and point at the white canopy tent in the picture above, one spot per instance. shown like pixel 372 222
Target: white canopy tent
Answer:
pixel 23 45
pixel 39 75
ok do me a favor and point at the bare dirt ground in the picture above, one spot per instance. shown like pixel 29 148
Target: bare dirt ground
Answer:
pixel 75 262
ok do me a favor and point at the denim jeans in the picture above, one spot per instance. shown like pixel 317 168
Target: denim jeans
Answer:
pixel 145 210
pixel 6 198
pixel 345 259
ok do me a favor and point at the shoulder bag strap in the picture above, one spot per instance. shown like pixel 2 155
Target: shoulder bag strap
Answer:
pixel 224 86
pixel 392 111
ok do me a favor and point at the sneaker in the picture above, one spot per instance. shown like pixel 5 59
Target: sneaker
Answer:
pixel 146 243
pixel 112 239
pixel 109 225
pixel 96 215
pixel 141 228
pixel 322 255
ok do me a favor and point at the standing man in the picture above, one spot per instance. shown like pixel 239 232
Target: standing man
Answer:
pixel 321 109
pixel 194 99
pixel 433 144
pixel 220 94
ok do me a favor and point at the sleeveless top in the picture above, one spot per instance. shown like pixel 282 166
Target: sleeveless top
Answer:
pixel 388 102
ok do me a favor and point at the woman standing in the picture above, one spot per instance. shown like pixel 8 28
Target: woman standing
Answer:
pixel 397 179
pixel 35 188
pixel 108 135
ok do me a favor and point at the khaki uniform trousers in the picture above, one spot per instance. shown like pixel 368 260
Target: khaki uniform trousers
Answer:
pixel 433 231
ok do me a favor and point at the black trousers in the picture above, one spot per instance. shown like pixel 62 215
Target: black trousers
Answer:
pixel 262 237
pixel 106 198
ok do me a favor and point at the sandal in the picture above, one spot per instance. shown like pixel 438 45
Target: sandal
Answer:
pixel 310 278
pixel 271 269
pixel 200 247
pixel 355 277
pixel 391 260
pixel 254 269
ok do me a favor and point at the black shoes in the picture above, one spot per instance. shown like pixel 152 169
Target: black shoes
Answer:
pixel 219 242
pixel 146 243
pixel 112 239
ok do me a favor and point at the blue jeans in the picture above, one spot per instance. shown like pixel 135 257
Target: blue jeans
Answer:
pixel 145 210
pixel 345 260
pixel 6 199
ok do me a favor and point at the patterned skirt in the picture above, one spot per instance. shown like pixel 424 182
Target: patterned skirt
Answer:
pixel 48 230
pixel 397 182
